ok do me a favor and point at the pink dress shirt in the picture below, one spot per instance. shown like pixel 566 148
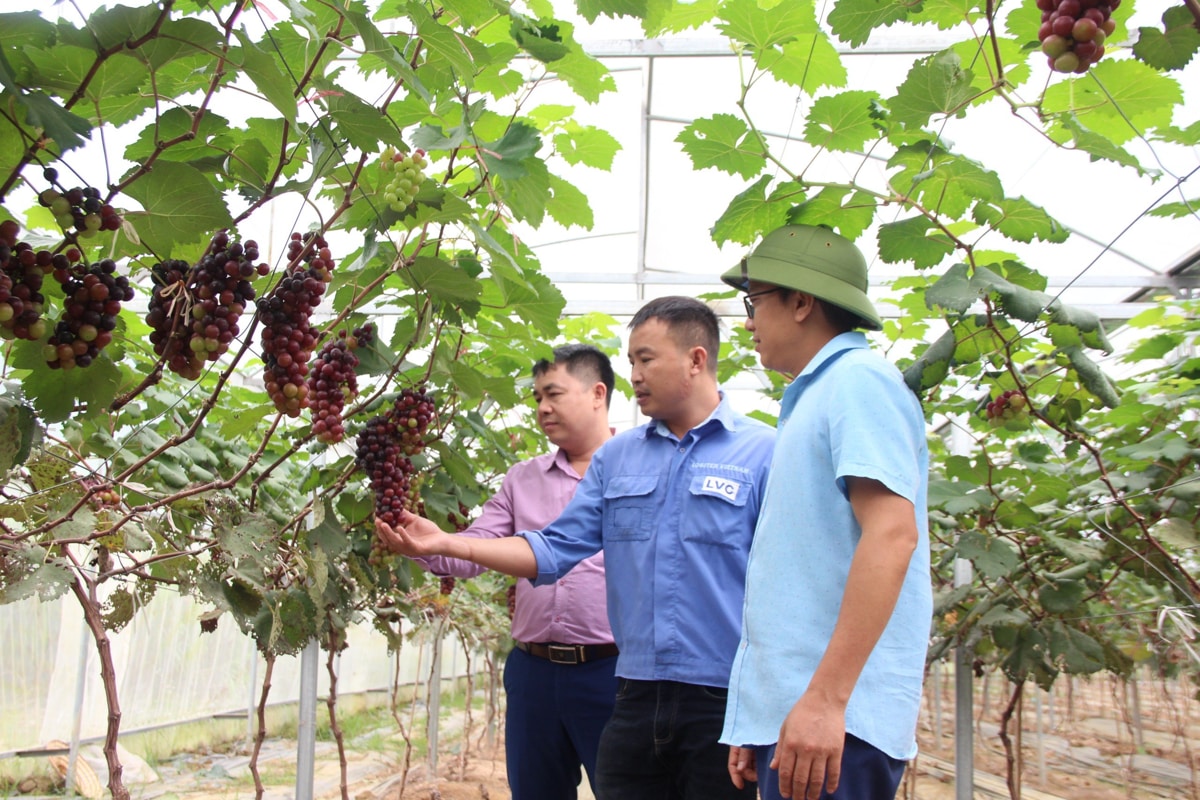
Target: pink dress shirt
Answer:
pixel 572 610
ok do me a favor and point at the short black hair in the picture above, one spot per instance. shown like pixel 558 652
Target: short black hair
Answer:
pixel 585 362
pixel 691 323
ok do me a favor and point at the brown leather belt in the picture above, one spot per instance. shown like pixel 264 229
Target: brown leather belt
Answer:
pixel 567 653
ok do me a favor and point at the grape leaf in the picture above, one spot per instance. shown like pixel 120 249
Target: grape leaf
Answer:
pixel 932 366
pixel 377 45
pixel 1092 378
pixel 267 77
pixel 830 207
pixel 465 55
pixel 442 280
pixel 725 142
pixel 1187 208
pixel 178 201
pixel 20 431
pixel 48 581
pixel 853 20
pixel 844 121
pixel 909 240
pixel 1174 46
pixel 1020 220
pixel 766 28
pixel 506 157
pixel 587 145
pixel 935 85
pixel 363 125
pixel 591 9
pixel 56 393
pixel 993 556
pixel 1078 652
pixel 1119 99
pixel 668 16
pixel 586 76
pixel 43 111
pixel 809 63
pixel 526 196
pixel 540 41
pixel 749 214
pixel 567 205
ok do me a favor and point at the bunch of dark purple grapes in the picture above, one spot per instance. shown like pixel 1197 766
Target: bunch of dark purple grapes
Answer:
pixel 383 449
pixel 194 310
pixel 93 297
pixel 287 336
pixel 80 208
pixel 22 270
pixel 332 381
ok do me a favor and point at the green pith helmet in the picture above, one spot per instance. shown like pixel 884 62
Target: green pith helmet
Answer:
pixel 812 260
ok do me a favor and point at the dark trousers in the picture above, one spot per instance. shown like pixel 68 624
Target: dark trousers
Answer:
pixel 552 722
pixel 867 773
pixel 662 744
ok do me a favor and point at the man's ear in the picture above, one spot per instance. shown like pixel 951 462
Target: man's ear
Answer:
pixel 599 392
pixel 803 305
pixel 699 358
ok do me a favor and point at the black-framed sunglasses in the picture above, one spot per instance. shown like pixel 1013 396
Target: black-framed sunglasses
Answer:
pixel 746 300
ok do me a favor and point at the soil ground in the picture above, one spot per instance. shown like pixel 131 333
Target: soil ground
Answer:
pixel 1084 751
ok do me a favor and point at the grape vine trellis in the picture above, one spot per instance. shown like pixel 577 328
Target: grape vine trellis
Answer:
pixel 123 477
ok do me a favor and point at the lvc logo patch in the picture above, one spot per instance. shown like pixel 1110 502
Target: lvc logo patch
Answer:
pixel 721 487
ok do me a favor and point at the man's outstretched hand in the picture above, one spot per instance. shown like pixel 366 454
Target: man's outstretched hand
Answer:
pixel 413 536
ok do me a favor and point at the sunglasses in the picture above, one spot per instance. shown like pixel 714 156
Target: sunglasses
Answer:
pixel 746 300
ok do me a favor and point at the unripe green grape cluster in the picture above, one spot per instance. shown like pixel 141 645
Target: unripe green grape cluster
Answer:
pixel 1073 32
pixel 405 172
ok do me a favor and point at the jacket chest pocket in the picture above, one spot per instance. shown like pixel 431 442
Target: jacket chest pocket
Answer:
pixel 630 508
pixel 717 511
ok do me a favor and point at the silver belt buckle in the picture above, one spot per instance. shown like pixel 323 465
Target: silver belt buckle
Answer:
pixel 563 654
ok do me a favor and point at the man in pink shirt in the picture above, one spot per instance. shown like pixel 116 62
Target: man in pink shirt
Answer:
pixel 559 679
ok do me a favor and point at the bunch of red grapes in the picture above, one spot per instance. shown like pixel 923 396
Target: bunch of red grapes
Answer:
pixel 383 449
pixel 331 382
pixel 1073 32
pixel 21 272
pixel 287 337
pixel 1009 405
pixel 93 294
pixel 194 310
pixel 80 208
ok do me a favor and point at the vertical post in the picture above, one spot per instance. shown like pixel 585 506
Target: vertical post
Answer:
pixel 1041 744
pixel 964 716
pixel 433 693
pixel 937 702
pixel 306 733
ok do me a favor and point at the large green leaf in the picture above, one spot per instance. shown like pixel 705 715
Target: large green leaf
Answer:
pixel 20 432
pixel 749 214
pixel 725 142
pixel 587 145
pixel 178 201
pixel 1119 99
pixel 1019 220
pixel 567 205
pixel 363 125
pixel 914 239
pixel 809 63
pixel 1172 47
pixel 994 557
pixel 766 28
pixel 506 158
pixel 853 20
pixel 935 85
pixel 261 68
pixel 844 121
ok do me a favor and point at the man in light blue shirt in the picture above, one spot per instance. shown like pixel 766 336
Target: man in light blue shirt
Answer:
pixel 826 687
pixel 672 504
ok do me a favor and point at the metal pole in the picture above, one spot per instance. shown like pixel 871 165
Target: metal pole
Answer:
pixel 433 693
pixel 964 728
pixel 306 734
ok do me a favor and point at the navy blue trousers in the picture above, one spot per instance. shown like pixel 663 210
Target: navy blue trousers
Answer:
pixel 662 744
pixel 868 773
pixel 554 714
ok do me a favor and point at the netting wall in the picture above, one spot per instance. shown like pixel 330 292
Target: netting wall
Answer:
pixel 167 671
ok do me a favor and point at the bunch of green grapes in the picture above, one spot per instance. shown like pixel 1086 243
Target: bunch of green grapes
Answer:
pixel 405 173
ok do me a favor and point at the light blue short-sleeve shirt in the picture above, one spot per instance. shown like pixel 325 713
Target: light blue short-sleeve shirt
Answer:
pixel 849 414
